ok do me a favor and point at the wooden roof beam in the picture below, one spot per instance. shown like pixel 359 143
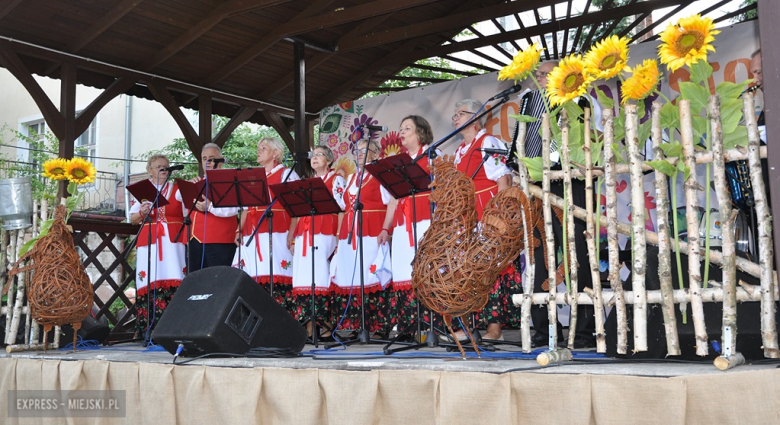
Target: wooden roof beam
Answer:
pixel 318 58
pixel 420 79
pixel 444 70
pixel 219 14
pixel 101 25
pixel 680 6
pixel 579 29
pixel 163 96
pixel 455 22
pixel 564 48
pixel 599 16
pixel 306 22
pixel 278 124
pixel 468 63
pixel 496 46
pixel 8 7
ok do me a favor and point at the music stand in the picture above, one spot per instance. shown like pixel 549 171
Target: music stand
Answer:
pixel 145 191
pixel 238 187
pixel 403 177
pixel 301 198
pixel 190 193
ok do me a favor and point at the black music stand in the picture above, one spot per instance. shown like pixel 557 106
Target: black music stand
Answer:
pixel 145 191
pixel 247 187
pixel 301 198
pixel 190 193
pixel 403 177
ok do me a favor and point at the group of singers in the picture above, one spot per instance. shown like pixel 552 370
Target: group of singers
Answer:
pixel 221 236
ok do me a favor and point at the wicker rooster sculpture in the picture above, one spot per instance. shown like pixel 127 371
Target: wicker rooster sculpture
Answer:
pixel 460 258
pixel 60 291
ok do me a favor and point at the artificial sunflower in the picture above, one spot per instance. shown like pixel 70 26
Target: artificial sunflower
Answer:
pixel 523 65
pixel 81 171
pixel 643 82
pixel 607 58
pixel 687 41
pixel 55 169
pixel 568 80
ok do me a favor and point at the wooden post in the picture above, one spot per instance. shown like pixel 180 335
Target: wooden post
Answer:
pixel 68 111
pixel 664 239
pixel 638 239
pixel 299 93
pixel 765 247
pixel 569 226
pixel 610 184
pixel 692 188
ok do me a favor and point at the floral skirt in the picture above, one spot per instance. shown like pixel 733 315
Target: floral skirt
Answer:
pixel 283 293
pixel 379 311
pixel 302 307
pixel 157 300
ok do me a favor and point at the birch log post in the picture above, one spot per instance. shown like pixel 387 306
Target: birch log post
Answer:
pixel 569 244
pixel 21 282
pixel 36 328
pixel 728 357
pixel 638 240
pixel 716 257
pixel 12 253
pixel 610 184
pixel 528 276
pixel 745 293
pixel 552 308
pixel 692 188
pixel 593 241
pixel 664 239
pixel 765 247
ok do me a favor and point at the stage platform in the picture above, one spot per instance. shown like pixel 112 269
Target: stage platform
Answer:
pixel 360 385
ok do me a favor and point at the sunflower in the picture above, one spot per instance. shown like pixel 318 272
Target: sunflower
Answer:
pixel 568 80
pixel 80 171
pixel 607 58
pixel 523 65
pixel 55 169
pixel 643 82
pixel 687 41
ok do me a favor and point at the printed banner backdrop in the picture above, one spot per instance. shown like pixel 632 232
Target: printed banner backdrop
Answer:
pixel 731 62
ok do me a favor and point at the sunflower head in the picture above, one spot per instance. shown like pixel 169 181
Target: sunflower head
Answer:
pixel 55 169
pixel 80 171
pixel 687 41
pixel 607 58
pixel 523 65
pixel 568 80
pixel 643 82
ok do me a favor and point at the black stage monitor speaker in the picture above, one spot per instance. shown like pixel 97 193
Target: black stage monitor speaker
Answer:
pixel 223 310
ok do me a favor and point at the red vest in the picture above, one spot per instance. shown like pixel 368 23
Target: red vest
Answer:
pixel 253 214
pixel 374 209
pixel 486 189
pixel 167 219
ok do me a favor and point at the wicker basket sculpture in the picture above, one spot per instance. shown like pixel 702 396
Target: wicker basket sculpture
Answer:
pixel 60 291
pixel 459 258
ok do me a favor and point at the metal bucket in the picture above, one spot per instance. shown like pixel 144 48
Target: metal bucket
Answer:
pixel 16 203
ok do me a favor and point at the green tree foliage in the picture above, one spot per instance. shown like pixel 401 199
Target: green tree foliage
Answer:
pixel 600 30
pixel 750 14
pixel 240 149
pixel 40 149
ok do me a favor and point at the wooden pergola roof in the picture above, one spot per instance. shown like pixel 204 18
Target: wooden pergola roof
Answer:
pixel 241 52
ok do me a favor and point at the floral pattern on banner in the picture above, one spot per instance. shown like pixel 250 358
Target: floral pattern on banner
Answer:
pixel 391 144
pixel 339 130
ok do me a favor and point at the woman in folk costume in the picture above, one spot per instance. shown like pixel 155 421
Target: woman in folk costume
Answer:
pixel 155 287
pixel 255 259
pixel 416 135
pixel 345 278
pixel 490 178
pixel 318 241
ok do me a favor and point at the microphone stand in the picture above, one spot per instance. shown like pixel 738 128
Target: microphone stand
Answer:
pixel 188 223
pixel 149 302
pixel 270 214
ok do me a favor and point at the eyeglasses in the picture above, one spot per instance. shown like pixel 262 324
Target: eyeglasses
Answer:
pixel 160 167
pixel 317 154
pixel 540 74
pixel 363 151
pixel 460 114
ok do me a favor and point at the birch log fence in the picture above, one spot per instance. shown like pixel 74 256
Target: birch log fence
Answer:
pixel 729 291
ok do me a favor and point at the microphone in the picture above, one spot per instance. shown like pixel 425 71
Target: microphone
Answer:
pixel 512 90
pixel 303 155
pixel 174 168
pixel 490 151
pixel 382 128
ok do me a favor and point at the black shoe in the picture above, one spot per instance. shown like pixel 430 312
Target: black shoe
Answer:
pixel 580 343
pixel 542 340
